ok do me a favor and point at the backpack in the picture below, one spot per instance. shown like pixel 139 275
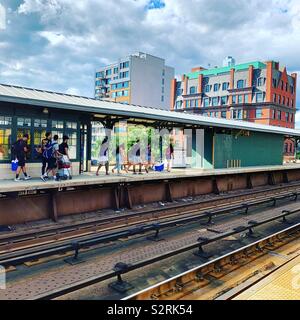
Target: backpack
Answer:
pixel 49 150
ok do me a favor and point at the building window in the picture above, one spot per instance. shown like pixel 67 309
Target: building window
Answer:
pixel 216 87
pixel 258 113
pixel 274 98
pixel 237 114
pixel 100 74
pixel 240 99
pixel 274 82
pixel 108 72
pixel 124 65
pixel 246 98
pixel 24 122
pixel 178 104
pixel 281 85
pixel 223 114
pixel 279 115
pixel 292 118
pixel 192 90
pixel 273 114
pixel 5 121
pixel 234 99
pixel 40 123
pixel 116 70
pixel 5 143
pixel 225 86
pixel 207 88
pixel 287 117
pixel 71 125
pixel 224 100
pixel 279 99
pixel 124 74
pixel 292 89
pixel 261 82
pixel 283 100
pixel 206 102
pixel 57 124
pixel 259 97
pixel 288 101
pixel 196 103
pixel 240 84
pixel 162 98
pixel 215 101
pixel 178 89
pixel 292 103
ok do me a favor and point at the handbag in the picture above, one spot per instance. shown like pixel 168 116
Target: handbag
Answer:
pixel 14 165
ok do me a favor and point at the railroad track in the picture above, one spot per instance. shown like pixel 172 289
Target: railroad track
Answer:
pixel 18 242
pixel 193 283
pixel 121 269
pixel 47 245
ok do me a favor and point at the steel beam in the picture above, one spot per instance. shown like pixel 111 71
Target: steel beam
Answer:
pixel 249 181
pixel 215 186
pixel 54 213
pixel 169 196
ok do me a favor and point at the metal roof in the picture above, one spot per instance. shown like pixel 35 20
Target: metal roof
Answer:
pixel 50 99
pixel 219 70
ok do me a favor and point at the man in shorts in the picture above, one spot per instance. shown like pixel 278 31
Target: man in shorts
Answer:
pixel 20 148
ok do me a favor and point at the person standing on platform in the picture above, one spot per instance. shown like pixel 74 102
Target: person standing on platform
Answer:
pixel 103 156
pixel 170 155
pixel 120 156
pixel 64 147
pixel 148 160
pixel 51 152
pixel 19 150
pixel 44 144
pixel 136 152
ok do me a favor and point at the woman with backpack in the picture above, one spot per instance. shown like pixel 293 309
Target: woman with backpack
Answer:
pixel 41 149
pixel 50 153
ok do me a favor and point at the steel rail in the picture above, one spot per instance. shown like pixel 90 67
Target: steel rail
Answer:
pixel 216 261
pixel 21 256
pixel 11 238
pixel 96 279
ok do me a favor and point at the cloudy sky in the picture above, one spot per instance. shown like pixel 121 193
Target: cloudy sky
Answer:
pixel 59 44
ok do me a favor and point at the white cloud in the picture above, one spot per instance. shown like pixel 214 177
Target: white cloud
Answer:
pixel 2 17
pixel 73 91
pixel 61 43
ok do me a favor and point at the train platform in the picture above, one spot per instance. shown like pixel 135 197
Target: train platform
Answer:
pixel 89 179
pixel 35 200
pixel 282 284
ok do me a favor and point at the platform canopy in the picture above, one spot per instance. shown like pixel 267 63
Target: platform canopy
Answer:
pixel 101 109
